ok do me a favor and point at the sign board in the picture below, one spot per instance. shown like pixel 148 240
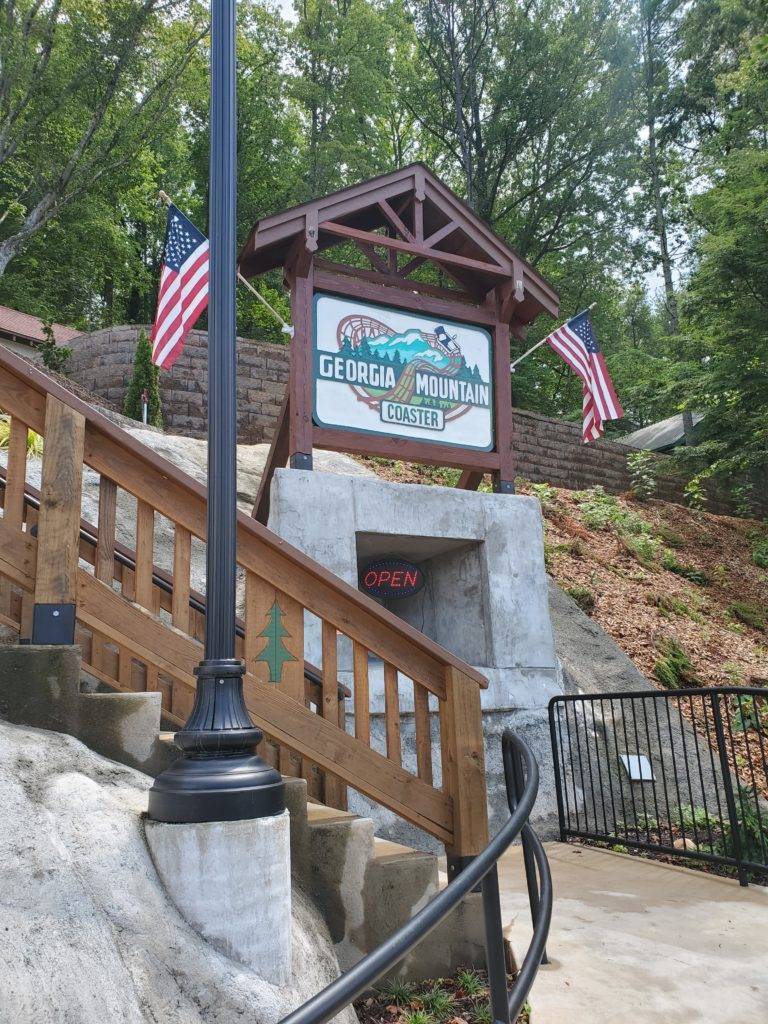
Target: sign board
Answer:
pixel 382 370
pixel 389 578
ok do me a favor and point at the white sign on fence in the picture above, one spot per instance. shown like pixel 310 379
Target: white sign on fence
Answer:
pixel 382 370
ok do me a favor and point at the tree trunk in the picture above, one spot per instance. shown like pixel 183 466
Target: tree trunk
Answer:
pixel 654 171
pixel 661 230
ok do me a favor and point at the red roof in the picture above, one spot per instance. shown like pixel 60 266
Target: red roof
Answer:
pixel 30 328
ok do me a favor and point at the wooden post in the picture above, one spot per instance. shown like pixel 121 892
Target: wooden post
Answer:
pixel 301 274
pixel 58 537
pixel 504 477
pixel 463 761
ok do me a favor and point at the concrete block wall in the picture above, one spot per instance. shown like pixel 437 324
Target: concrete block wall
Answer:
pixel 102 363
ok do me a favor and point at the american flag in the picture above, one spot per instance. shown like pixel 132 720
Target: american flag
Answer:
pixel 575 341
pixel 183 288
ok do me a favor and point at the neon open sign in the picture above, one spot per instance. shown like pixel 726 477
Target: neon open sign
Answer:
pixel 392 577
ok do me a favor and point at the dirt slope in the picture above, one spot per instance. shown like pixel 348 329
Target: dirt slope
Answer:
pixel 652 572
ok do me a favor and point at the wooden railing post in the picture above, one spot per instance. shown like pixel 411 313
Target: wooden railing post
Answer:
pixel 463 763
pixel 58 528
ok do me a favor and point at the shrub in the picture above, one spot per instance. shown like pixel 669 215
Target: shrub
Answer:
pixel 397 992
pixel 546 494
pixel 642 472
pixel 668 604
pixel 34 440
pixel 599 511
pixel 55 357
pixel 747 613
pixel 643 548
pixel 470 982
pixel 146 377
pixel 688 572
pixel 583 597
pixel 695 495
pixel 760 552
pixel 438 1003
pixel 674 669
pixel 670 537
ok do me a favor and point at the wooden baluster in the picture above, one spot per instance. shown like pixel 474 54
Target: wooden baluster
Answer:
pixel 423 734
pixel 145 544
pixel 182 557
pixel 463 762
pixel 97 645
pixel 105 546
pixel 58 534
pixel 330 700
pixel 152 680
pixel 128 582
pixel 274 637
pixel 392 713
pixel 360 696
pixel 27 614
pixel 13 514
pixel 334 790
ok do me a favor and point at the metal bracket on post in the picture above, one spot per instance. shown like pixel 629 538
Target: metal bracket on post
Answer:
pixel 503 487
pixel 456 864
pixel 53 624
pixel 300 460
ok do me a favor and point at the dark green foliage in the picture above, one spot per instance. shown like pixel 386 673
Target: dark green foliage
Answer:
pixel 688 572
pixel 670 537
pixel 760 552
pixel 747 613
pixel 642 472
pixel 438 1003
pixel 396 992
pixel 674 669
pixel 146 377
pixel 583 597
pixel 55 357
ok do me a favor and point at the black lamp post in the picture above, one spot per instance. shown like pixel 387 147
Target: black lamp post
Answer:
pixel 220 777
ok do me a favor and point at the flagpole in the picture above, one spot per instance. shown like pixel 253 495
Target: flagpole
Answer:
pixel 538 344
pixel 220 777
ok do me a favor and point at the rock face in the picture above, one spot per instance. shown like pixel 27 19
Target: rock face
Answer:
pixel 189 454
pixel 89 934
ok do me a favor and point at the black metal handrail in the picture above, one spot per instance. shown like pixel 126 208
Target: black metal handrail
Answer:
pixel 678 772
pixel 505 1005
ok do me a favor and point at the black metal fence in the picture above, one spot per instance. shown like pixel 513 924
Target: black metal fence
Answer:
pixel 682 772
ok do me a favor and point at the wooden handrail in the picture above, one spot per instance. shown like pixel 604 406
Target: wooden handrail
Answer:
pixel 136 468
pixel 128 611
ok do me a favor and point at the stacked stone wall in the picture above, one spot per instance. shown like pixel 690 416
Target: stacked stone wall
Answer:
pixel 547 450
pixel 102 363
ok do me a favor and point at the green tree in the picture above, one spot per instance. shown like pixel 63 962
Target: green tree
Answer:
pixel 145 378
pixel 84 84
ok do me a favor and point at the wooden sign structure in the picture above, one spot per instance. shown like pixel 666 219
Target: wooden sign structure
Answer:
pixel 434 384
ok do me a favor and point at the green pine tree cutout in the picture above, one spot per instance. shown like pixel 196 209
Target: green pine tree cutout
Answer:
pixel 275 653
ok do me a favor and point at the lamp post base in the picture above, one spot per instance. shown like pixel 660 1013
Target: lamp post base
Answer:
pixel 219 777
pixel 198 789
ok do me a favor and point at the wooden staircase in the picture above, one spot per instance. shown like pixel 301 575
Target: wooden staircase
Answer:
pixel 140 628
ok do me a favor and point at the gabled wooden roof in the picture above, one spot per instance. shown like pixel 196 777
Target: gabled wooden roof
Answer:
pixel 479 259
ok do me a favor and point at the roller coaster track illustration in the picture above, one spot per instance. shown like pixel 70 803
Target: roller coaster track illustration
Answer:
pixel 356 327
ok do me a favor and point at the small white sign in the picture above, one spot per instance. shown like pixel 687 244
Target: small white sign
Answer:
pixel 637 767
pixel 382 370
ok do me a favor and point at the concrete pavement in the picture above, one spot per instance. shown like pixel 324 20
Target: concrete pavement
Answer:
pixel 634 941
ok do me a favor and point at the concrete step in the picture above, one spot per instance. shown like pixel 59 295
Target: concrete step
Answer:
pixel 44 687
pixel 365 887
